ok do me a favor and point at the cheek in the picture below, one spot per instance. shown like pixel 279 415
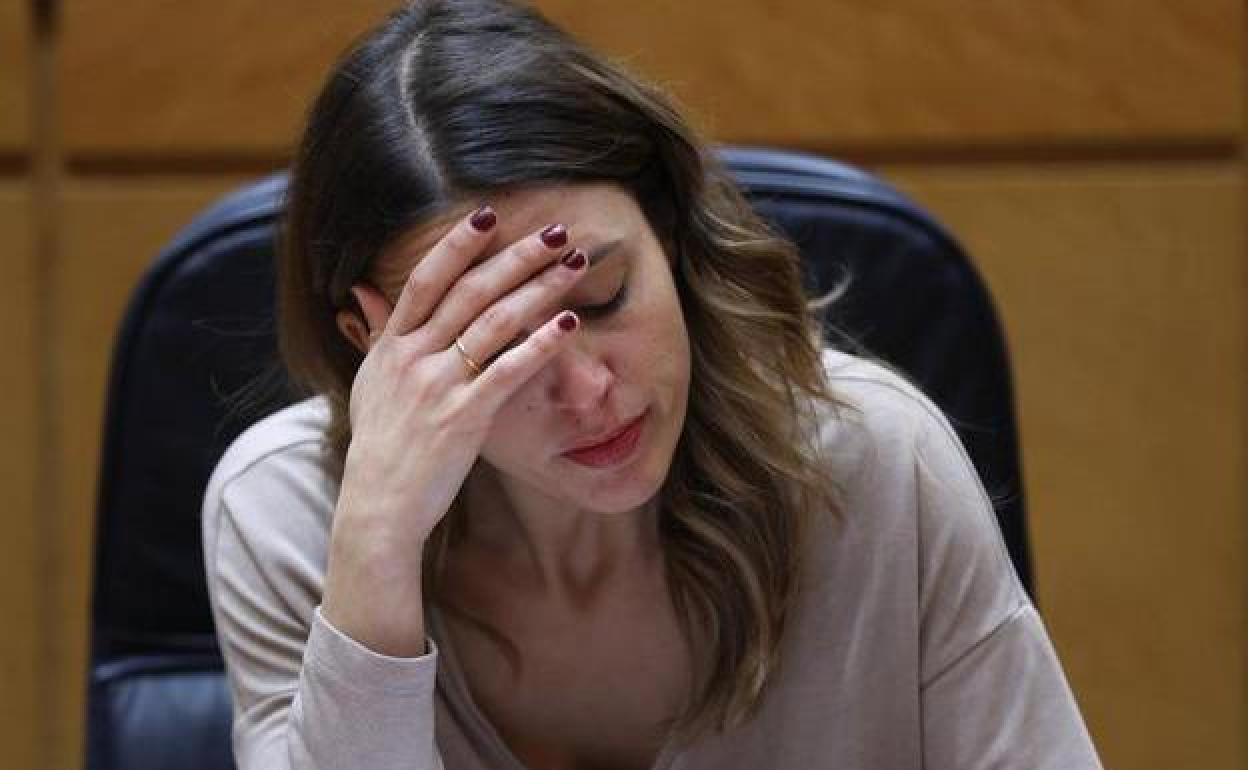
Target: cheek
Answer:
pixel 666 335
pixel 516 423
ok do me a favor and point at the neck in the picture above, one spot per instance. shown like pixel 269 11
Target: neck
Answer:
pixel 562 552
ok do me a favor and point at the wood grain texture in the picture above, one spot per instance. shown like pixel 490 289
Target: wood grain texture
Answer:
pixel 112 230
pixel 154 77
pixel 14 76
pixel 233 76
pixel 858 73
pixel 20 661
pixel 1122 290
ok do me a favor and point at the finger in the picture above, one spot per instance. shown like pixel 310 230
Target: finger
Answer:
pixel 514 367
pixel 433 274
pixel 500 324
pixel 374 307
pixel 483 285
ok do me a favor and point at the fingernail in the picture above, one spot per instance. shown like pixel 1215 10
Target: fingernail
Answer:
pixel 483 219
pixel 573 260
pixel 567 321
pixel 554 236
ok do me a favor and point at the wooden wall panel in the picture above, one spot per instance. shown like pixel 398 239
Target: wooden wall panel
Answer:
pixel 14 77
pixel 113 228
pixel 152 77
pixel 147 77
pixel 19 548
pixel 1122 290
pixel 918 72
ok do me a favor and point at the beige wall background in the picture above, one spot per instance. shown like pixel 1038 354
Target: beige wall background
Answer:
pixel 1089 153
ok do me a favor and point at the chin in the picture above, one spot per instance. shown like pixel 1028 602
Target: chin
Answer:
pixel 636 489
pixel 615 505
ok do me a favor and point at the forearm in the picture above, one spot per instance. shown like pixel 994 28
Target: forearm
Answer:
pixel 373 591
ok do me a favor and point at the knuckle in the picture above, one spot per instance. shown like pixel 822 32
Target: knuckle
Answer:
pixel 462 414
pixel 461 239
pixel 408 365
pixel 544 344
pixel 533 251
pixel 472 289
pixel 408 358
pixel 498 318
pixel 477 288
pixel 417 282
pixel 555 285
pixel 423 340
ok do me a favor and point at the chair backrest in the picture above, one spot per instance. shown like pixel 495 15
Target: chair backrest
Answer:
pixel 199 330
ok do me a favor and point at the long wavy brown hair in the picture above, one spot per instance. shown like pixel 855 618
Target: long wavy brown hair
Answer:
pixel 449 100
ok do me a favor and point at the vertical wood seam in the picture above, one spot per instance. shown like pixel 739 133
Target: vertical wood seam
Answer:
pixel 46 329
pixel 1243 208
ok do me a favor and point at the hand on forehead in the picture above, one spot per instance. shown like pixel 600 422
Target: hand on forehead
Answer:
pixel 521 212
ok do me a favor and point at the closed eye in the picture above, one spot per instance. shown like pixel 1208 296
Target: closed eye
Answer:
pixel 586 312
pixel 591 312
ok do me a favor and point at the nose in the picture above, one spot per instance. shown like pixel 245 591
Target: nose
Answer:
pixel 580 379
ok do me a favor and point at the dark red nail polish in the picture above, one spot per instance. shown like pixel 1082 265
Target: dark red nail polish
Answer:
pixel 573 260
pixel 483 219
pixel 567 321
pixel 554 236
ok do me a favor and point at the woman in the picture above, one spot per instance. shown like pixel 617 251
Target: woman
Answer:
pixel 577 488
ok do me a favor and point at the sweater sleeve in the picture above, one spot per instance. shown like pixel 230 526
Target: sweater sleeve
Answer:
pixel 305 695
pixel 993 693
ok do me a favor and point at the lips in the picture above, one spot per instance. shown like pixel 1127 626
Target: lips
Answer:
pixel 610 448
pixel 604 437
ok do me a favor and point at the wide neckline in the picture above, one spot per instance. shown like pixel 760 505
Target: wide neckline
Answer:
pixel 456 685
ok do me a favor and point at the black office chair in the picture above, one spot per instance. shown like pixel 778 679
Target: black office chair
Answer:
pixel 199 330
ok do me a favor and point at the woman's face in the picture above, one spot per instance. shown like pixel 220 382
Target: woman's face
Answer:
pixel 597 427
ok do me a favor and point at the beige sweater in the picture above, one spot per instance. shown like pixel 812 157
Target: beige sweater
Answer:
pixel 913 644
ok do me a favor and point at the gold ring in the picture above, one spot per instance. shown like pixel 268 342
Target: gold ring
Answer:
pixel 472 365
